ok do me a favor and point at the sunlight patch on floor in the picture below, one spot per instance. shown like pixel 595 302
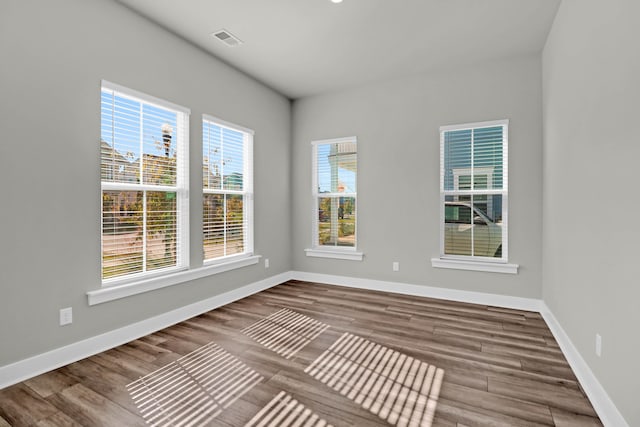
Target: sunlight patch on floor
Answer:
pixel 285 411
pixel 194 389
pixel 285 332
pixel 394 386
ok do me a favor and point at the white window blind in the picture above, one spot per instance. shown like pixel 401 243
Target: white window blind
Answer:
pixel 473 191
pixel 144 180
pixel 227 172
pixel 335 172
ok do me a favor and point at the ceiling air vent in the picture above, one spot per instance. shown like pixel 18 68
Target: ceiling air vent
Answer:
pixel 227 38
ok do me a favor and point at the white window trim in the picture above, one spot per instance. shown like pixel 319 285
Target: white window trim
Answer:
pixel 477 263
pixel 460 264
pixel 350 255
pixel 181 189
pixel 317 250
pixel 247 192
pixel 157 282
pixel 159 102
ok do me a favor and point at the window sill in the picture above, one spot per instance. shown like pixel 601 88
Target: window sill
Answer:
pixel 335 254
pixel 133 288
pixel 492 267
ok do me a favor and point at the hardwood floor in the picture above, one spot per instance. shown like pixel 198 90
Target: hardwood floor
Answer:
pixel 310 354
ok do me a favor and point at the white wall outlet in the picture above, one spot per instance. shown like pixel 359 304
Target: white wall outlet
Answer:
pixel 598 345
pixel 396 266
pixel 66 316
pixel 266 263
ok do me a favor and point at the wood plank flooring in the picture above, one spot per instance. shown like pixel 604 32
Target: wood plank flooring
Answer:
pixel 401 359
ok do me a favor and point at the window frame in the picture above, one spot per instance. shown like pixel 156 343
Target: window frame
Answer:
pixel 181 188
pixel 246 192
pixel 325 251
pixel 475 262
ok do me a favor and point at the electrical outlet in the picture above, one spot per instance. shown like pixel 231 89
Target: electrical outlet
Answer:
pixel 66 316
pixel 396 266
pixel 266 263
pixel 598 345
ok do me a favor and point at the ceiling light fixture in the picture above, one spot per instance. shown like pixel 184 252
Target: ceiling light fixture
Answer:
pixel 336 1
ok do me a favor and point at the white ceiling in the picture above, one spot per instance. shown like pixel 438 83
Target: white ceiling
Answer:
pixel 305 47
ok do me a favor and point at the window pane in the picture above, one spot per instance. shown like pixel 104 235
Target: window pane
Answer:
pixel 212 155
pixel 487 153
pixel 131 130
pixel 161 229
pixel 487 146
pixel 457 227
pixel 457 155
pixel 488 226
pixel 235 225
pixel 494 208
pixel 159 145
pixel 223 157
pixel 121 233
pixel 233 159
pixel 469 230
pixel 119 138
pixel 337 166
pixel 213 225
pixel 337 221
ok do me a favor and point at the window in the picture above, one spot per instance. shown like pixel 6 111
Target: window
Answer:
pixel 334 196
pixel 473 191
pixel 227 190
pixel 143 168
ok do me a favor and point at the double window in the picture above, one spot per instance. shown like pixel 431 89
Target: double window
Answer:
pixel 144 180
pixel 335 194
pixel 227 189
pixel 473 191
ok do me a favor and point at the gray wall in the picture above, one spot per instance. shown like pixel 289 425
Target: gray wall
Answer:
pixel 591 69
pixel 397 125
pixel 53 56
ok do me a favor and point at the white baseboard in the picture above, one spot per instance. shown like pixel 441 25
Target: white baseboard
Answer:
pixel 45 362
pixel 605 408
pixel 505 301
